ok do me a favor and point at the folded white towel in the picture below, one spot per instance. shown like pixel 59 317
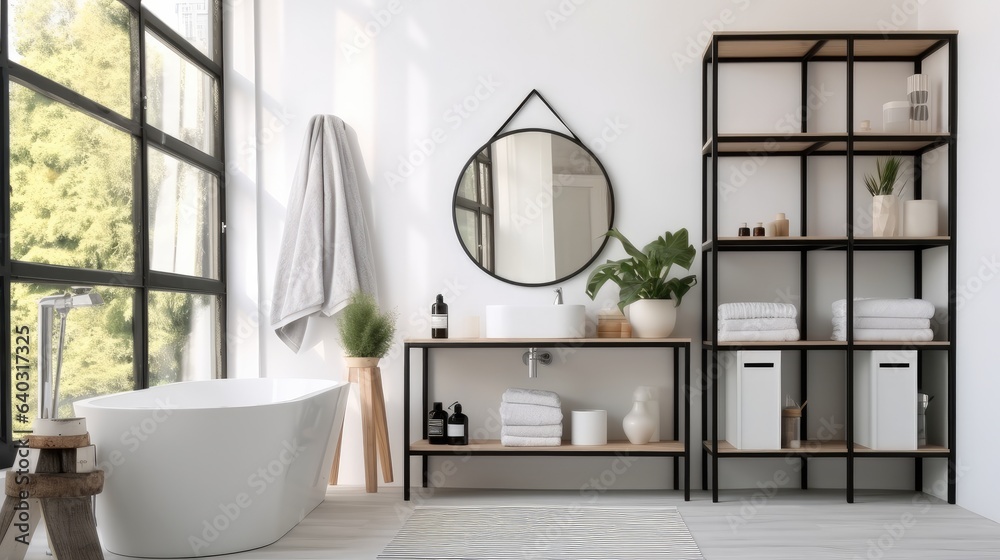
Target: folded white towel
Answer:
pixel 902 307
pixel 757 310
pixel 759 336
pixel 517 414
pixel 521 441
pixel 531 396
pixel 551 430
pixel 891 335
pixel 883 323
pixel 762 324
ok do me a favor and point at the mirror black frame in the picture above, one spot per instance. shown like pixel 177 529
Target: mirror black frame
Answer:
pixel 458 185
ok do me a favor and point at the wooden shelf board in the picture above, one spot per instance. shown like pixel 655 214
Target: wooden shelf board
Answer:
pixel 864 344
pixel 796 143
pixel 474 342
pixel 831 344
pixel 494 446
pixel 794 242
pixel 790 345
pixel 741 44
pixel 836 447
pixel 923 450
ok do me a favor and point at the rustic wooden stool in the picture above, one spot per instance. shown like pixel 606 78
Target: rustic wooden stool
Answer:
pixel 374 428
pixel 51 487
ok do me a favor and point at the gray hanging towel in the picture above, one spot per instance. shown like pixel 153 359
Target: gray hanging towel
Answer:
pixel 325 253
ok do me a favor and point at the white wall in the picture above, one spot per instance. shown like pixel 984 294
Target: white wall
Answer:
pixel 979 254
pixel 434 82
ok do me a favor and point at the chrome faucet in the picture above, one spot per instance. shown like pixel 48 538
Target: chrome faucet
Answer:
pixel 559 298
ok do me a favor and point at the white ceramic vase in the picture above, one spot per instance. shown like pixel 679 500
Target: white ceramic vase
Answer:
pixel 652 318
pixel 885 215
pixel 638 424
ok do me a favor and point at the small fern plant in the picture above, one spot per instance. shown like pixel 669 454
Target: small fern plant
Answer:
pixel 365 330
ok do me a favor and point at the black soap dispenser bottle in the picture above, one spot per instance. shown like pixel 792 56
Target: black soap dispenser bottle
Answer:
pixel 439 318
pixel 436 430
pixel 458 426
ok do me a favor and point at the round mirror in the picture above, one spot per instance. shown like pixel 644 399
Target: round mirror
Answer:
pixel 532 206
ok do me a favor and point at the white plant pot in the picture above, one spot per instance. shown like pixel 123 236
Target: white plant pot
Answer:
pixel 652 318
pixel 885 215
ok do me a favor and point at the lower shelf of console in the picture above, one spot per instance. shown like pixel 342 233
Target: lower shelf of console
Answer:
pixel 494 447
pixel 828 449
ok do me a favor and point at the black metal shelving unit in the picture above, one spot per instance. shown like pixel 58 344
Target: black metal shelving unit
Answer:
pixel 804 48
pixel 678 448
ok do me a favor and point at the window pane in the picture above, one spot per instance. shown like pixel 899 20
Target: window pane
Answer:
pixel 184 337
pixel 71 186
pixel 192 19
pixel 487 249
pixel 82 44
pixel 485 184
pixel 467 188
pixel 183 217
pixel 183 100
pixel 466 220
pixel 96 352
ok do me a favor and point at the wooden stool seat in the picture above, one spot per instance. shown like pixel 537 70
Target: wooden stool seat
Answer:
pixel 54 485
pixel 58 442
pixel 46 484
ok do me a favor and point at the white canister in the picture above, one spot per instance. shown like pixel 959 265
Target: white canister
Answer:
pixel 896 116
pixel 590 427
pixel 920 218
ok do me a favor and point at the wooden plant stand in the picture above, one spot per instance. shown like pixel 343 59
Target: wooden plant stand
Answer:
pixel 374 428
pixel 53 488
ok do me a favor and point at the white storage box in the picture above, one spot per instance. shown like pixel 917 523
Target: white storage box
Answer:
pixel 885 396
pixel 753 400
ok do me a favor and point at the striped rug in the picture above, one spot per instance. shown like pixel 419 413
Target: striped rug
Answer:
pixel 556 532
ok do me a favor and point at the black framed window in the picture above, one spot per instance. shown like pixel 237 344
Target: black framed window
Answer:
pixel 474 209
pixel 114 185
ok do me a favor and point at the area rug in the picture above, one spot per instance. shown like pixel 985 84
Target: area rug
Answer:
pixel 556 532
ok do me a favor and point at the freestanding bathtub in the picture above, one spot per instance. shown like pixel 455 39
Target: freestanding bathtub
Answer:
pixel 212 467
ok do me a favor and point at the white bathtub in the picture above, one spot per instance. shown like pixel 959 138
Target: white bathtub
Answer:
pixel 212 467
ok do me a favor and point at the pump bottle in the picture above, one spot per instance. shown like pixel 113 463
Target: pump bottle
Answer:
pixel 436 420
pixel 439 318
pixel 458 426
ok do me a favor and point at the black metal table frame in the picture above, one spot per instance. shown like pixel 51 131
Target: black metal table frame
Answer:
pixel 425 345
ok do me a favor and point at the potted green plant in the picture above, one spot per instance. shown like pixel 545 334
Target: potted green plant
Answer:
pixel 366 332
pixel 644 286
pixel 882 187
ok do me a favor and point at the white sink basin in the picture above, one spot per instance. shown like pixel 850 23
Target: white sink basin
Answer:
pixel 535 321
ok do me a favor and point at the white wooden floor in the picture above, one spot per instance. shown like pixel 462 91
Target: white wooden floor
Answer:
pixel 802 525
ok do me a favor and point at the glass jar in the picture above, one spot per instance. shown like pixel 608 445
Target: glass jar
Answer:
pixel 791 428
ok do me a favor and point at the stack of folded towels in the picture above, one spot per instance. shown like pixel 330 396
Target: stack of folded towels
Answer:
pixel 885 319
pixel 757 321
pixel 530 418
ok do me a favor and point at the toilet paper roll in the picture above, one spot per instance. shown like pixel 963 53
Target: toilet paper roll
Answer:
pixel 920 218
pixel 590 427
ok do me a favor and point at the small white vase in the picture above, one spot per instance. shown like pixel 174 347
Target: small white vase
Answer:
pixel 652 318
pixel 885 215
pixel 638 424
